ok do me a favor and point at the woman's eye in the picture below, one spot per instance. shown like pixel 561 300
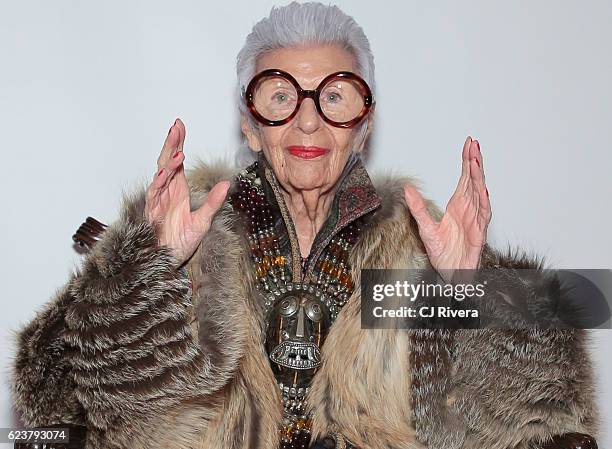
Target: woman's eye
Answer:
pixel 281 98
pixel 333 97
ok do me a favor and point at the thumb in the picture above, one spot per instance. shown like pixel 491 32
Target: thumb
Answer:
pixel 214 200
pixel 418 208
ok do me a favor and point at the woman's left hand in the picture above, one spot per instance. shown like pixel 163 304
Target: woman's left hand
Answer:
pixel 456 242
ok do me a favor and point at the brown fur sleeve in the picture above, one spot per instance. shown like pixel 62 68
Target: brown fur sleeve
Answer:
pixel 134 350
pixel 516 385
pixel 114 349
pixel 507 387
pixel 42 388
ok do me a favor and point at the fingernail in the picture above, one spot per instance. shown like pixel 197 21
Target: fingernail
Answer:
pixel 476 159
pixel 160 172
pixel 176 120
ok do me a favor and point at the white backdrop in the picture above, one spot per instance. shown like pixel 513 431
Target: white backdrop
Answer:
pixel 89 89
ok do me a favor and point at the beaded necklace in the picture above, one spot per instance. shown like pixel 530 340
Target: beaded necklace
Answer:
pixel 298 313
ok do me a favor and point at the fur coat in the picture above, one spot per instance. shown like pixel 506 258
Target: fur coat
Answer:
pixel 129 348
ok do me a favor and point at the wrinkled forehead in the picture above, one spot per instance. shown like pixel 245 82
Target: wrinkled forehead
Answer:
pixel 308 64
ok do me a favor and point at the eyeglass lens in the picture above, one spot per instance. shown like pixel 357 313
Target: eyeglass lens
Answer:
pixel 341 100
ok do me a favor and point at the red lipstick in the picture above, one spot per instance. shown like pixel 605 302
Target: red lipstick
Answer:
pixel 306 152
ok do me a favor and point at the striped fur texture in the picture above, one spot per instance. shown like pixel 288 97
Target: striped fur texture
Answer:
pixel 126 349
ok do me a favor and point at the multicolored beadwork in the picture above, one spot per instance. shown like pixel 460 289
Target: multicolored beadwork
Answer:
pixel 294 351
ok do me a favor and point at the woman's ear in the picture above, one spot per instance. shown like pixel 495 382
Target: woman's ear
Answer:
pixel 250 134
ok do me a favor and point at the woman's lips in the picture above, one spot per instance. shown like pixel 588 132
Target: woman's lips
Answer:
pixel 306 152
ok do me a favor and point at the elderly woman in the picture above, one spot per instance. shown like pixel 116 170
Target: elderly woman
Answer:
pixel 221 309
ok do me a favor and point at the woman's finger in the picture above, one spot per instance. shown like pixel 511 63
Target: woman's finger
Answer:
pixel 465 157
pixel 164 177
pixel 176 182
pixel 484 212
pixel 170 144
pixel 174 140
pixel 216 196
pixel 476 172
pixel 174 163
pixel 152 196
pixel 463 184
pixel 476 153
pixel 471 200
pixel 182 133
pixel 156 185
pixel 418 208
pixel 478 181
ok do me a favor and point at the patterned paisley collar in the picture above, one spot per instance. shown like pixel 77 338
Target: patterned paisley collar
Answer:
pixel 355 197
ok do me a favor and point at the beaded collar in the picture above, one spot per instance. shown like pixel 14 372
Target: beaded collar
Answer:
pixel 302 296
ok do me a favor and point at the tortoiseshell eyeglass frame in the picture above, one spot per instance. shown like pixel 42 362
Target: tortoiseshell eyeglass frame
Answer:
pixel 368 102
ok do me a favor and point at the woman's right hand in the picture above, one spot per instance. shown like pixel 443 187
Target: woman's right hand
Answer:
pixel 167 200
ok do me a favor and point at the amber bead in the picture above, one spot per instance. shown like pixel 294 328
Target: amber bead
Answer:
pixel 266 262
pixel 337 272
pixel 260 271
pixel 287 432
pixel 323 266
pixel 344 278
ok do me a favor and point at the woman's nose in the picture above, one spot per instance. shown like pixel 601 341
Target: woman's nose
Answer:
pixel 308 119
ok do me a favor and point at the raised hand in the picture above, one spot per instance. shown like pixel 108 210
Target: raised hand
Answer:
pixel 167 200
pixel 456 242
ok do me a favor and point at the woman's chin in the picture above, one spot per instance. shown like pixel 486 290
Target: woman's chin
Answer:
pixel 308 179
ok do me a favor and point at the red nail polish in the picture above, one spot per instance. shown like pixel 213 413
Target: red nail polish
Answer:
pixel 160 172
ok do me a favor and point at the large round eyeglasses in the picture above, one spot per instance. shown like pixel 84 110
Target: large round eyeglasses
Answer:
pixel 342 99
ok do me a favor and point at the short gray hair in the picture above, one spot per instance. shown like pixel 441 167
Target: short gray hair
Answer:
pixel 299 24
